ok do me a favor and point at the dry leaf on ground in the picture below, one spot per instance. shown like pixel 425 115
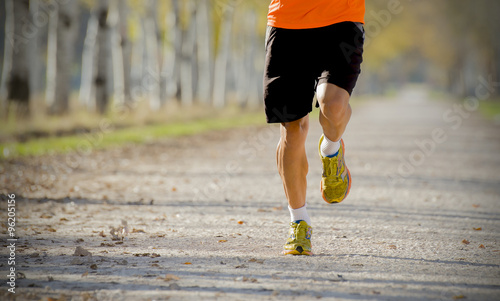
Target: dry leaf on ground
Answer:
pixel 169 277
pixel 79 251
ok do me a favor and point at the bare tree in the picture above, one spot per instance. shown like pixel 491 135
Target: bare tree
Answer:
pixel 7 52
pixel 34 53
pixel 151 80
pixel 51 72
pixel 172 53
pixel 116 53
pixel 89 62
pixel 223 52
pixel 188 61
pixel 103 58
pixel 63 29
pixel 18 89
pixel 204 51
pixel 123 11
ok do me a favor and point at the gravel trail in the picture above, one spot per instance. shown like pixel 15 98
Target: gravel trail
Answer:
pixel 206 215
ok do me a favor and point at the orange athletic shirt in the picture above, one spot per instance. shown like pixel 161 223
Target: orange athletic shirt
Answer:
pixel 300 14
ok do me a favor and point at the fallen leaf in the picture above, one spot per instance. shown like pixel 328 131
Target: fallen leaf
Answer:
pixel 64 219
pixel 478 229
pixel 475 205
pixel 481 246
pixel 465 241
pixel 392 247
pixel 169 277
pixel 458 297
pixel 223 240
pixel 174 286
pixel 174 189
pixel 187 262
pixel 256 260
pixel 134 230
pixel 77 261
pixel 79 251
pixel 241 222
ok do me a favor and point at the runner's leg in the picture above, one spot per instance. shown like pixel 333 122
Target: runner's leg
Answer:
pixel 335 110
pixel 292 160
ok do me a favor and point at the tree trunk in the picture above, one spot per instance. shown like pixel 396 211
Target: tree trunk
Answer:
pixel 204 50
pixel 254 78
pixel 88 63
pixel 34 55
pixel 66 30
pixel 51 73
pixel 103 58
pixel 172 54
pixel 151 80
pixel 125 44
pixel 219 95
pixel 116 54
pixel 18 89
pixel 188 58
pixel 7 53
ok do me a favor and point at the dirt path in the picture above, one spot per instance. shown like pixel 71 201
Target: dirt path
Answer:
pixel 207 216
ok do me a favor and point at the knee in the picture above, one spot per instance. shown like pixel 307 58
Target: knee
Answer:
pixel 334 109
pixel 295 132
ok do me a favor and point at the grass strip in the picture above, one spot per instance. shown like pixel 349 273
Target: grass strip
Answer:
pixel 104 138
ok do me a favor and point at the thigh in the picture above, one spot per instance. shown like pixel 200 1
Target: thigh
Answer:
pixel 342 55
pixel 289 78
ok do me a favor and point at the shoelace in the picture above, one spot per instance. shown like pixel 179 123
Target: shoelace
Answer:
pixel 330 168
pixel 300 231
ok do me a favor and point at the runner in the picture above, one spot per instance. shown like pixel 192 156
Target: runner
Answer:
pixel 312 47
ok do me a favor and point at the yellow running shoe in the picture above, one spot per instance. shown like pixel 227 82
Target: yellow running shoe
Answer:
pixel 336 178
pixel 299 242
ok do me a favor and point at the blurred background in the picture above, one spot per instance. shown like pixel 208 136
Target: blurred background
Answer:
pixel 67 63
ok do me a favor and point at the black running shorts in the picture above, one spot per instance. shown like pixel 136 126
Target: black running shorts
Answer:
pixel 297 60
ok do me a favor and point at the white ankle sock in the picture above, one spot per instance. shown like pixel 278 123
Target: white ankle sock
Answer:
pixel 328 147
pixel 299 214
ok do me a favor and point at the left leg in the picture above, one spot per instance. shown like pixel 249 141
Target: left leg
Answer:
pixel 343 58
pixel 335 110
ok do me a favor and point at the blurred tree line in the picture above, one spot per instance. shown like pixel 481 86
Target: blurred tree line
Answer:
pixel 113 53
pixel 449 45
pixel 121 51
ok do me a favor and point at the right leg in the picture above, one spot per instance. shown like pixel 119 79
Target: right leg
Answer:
pixel 292 161
pixel 289 86
pixel 292 166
